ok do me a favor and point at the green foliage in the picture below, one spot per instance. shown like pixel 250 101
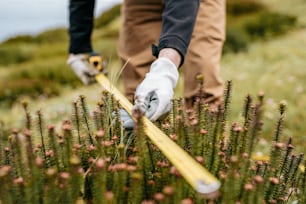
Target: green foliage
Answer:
pixel 16 53
pixel 20 39
pixel 13 90
pixel 107 16
pixel 268 24
pixel 37 79
pixel 57 72
pixel 25 48
pixel 235 41
pixel 95 160
pixel 52 36
pixel 19 45
pixel 241 7
pixel 250 20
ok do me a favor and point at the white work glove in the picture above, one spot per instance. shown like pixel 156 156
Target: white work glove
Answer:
pixel 127 121
pixel 80 65
pixel 153 95
pixel 125 118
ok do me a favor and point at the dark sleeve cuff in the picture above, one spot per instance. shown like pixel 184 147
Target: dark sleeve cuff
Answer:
pixel 171 42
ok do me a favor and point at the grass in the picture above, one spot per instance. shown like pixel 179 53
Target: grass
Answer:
pixel 276 68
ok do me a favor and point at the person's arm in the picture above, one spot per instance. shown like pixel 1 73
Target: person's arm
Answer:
pixel 81 22
pixel 153 96
pixel 178 21
pixel 81 19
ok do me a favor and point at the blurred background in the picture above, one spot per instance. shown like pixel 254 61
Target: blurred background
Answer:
pixel 264 52
pixel 31 17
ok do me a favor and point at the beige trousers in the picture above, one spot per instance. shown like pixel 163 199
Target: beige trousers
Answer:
pixel 141 27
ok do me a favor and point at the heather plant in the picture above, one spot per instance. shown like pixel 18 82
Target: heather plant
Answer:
pixel 91 158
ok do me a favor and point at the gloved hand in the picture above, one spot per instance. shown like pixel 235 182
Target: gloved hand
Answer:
pixel 80 65
pixel 127 121
pixel 125 118
pixel 153 95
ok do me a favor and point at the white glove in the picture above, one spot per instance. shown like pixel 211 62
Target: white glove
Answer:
pixel 153 95
pixel 80 65
pixel 126 119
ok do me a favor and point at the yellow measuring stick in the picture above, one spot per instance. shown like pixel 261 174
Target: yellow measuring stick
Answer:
pixel 267 158
pixel 193 172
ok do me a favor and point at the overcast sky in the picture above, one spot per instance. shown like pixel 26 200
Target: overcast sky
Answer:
pixel 33 16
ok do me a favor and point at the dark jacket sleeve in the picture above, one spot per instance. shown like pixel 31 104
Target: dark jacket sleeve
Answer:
pixel 178 21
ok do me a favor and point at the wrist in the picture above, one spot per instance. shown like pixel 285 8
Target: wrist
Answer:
pixel 164 69
pixel 171 54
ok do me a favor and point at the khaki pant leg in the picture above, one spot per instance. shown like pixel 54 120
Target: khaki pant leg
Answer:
pixel 141 27
pixel 204 52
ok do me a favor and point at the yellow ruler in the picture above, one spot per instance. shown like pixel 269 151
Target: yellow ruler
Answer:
pixel 193 172
pixel 257 157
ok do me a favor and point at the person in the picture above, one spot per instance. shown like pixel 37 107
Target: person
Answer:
pixel 186 33
pixel 81 20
